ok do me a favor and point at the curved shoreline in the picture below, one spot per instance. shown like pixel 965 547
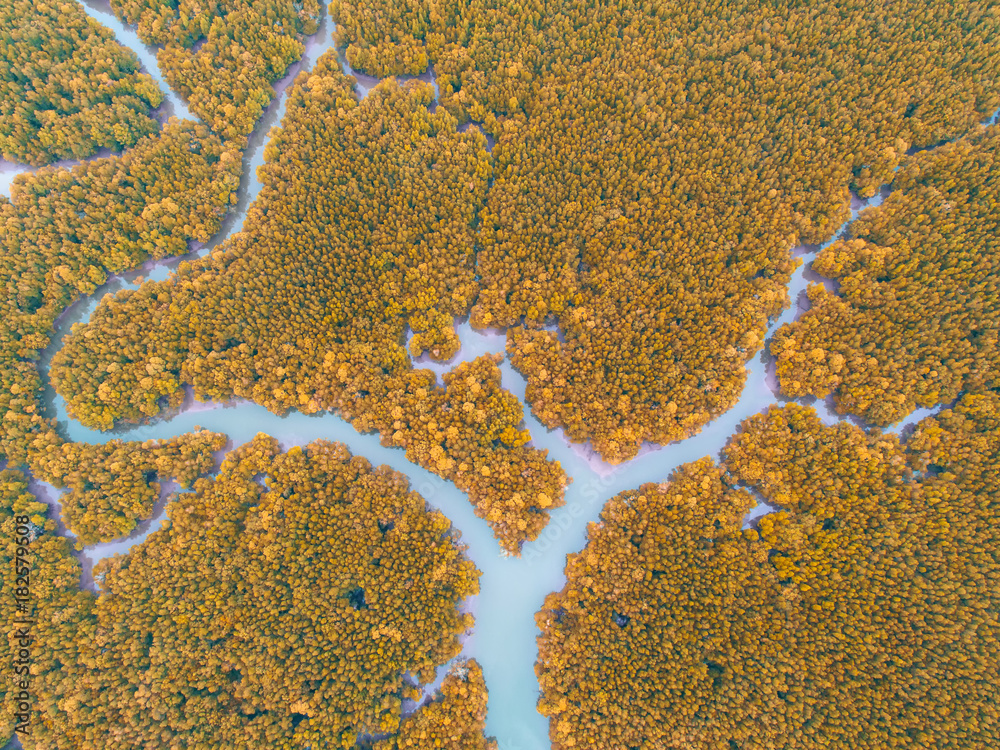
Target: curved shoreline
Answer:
pixel 512 589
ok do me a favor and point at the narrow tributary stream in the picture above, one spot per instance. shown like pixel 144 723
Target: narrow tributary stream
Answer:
pixel 512 589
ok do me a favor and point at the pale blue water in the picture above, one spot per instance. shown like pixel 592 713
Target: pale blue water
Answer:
pixel 512 589
pixel 172 104
pixel 8 171
pixel 101 12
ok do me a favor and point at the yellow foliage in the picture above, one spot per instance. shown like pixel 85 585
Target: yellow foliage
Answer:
pixel 223 56
pixel 914 320
pixel 307 308
pixel 64 232
pixel 861 615
pixel 284 612
pixel 656 162
pixel 454 720
pixel 67 88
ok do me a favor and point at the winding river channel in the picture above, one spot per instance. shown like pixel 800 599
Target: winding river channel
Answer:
pixel 512 589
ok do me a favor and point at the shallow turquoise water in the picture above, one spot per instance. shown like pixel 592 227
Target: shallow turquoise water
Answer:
pixel 173 105
pixel 512 589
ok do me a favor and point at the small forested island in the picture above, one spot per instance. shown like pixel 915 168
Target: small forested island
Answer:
pixel 543 262
pixel 223 56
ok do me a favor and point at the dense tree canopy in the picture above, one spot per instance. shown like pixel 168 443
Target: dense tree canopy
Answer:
pixel 655 163
pixel 54 606
pixel 653 167
pixel 895 574
pixel 666 631
pixel 64 232
pixel 67 88
pixel 862 615
pixel 223 56
pixel 454 720
pixel 284 605
pixel 915 320
pixel 363 228
pixel 111 486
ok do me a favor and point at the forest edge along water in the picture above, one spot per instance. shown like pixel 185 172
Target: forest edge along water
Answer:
pixel 512 588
